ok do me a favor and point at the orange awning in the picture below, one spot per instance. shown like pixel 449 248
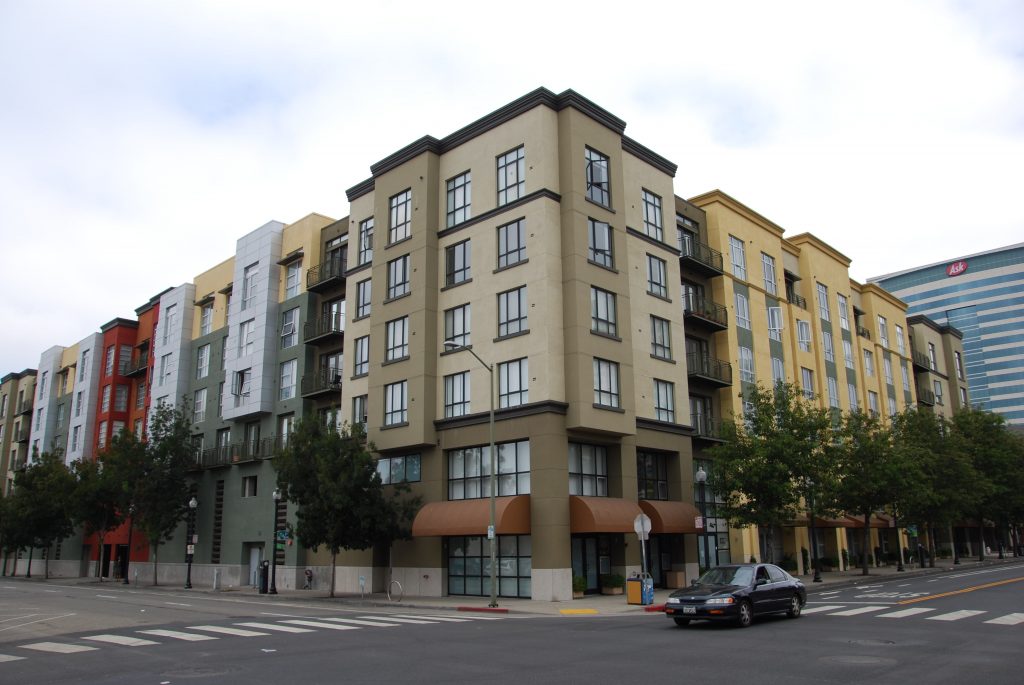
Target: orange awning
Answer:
pixel 472 516
pixel 601 514
pixel 670 517
pixel 824 522
pixel 876 521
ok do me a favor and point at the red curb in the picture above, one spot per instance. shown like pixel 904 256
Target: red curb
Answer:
pixel 484 610
pixel 655 607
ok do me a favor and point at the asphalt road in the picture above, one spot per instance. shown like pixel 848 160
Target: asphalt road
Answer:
pixel 950 628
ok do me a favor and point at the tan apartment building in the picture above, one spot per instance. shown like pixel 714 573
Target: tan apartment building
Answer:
pixel 938 359
pixel 17 401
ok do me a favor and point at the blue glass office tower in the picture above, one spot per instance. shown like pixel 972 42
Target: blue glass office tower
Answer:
pixel 983 296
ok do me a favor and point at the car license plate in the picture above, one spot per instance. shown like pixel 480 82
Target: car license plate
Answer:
pixel 689 610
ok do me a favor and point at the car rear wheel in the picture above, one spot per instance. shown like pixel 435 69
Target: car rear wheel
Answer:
pixel 794 607
pixel 746 615
pixel 682 622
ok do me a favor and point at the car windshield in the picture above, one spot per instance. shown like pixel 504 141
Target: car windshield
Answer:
pixel 741 575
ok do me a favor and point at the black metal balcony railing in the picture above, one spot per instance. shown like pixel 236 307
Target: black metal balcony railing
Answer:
pixel 793 298
pixel 25 406
pixel 323 327
pixel 138 365
pixel 921 360
pixel 717 371
pixel 21 435
pixel 712 313
pixel 701 257
pixel 926 396
pixel 247 450
pixel 324 274
pixel 706 427
pixel 321 381
pixel 863 332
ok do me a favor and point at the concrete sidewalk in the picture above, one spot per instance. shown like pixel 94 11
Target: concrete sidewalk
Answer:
pixel 603 605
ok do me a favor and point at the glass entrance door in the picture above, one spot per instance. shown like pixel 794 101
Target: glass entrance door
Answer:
pixel 585 562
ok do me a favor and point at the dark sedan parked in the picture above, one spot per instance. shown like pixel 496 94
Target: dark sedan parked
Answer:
pixel 738 593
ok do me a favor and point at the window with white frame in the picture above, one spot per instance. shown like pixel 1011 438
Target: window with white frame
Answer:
pixel 823 308
pixel 742 311
pixel 76 433
pixel 83 370
pixel 588 470
pixel 289 328
pixel 363 298
pixel 365 254
pixel 398 277
pixel 807 382
pixel 457 325
pixel 511 175
pixel 512 318
pixel 653 226
pixel 456 394
pixel 199 406
pixel 661 338
pixel 108 368
pixel 206 319
pixel 170 324
pixel 293 278
pixel 599 243
pixel 892 406
pixel 203 361
pixel 826 342
pixel 242 384
pixel 887 368
pixel 285 427
pixel 124 360
pixel 249 285
pixel 747 374
pixel 288 372
pixel 937 384
pixel 803 334
pixel 598 186
pixel 873 402
pixel 869 363
pixel 457 263
pixel 833 392
pixel 958 362
pixel 848 353
pixel 851 390
pixel 101 440
pixel 606 383
pixel 737 254
pixel 771 285
pixel 120 398
pixel 165 369
pixel 932 359
pixel 778 371
pixel 396 397
pixel 399 216
pixel 664 401
pixel 460 196
pixel 361 350
pixel 963 396
pixel 359 406
pixel 905 373
pixel 844 312
pixel 511 243
pixel 657 281
pixel 105 405
pixel 397 339
pixel 249 486
pixel 883 331
pixel 513 383
pixel 246 337
pixel 900 344
pixel 774 322
pixel 602 312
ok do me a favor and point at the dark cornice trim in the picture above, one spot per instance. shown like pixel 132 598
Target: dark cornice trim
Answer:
pixel 652 241
pixel 663 427
pixel 490 214
pixel 359 189
pixel 549 407
pixel 648 155
pixel 227 289
pixel 204 300
pixel 291 257
pixel 118 322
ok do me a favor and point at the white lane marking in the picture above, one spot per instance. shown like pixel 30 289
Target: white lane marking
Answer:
pixel 107 597
pixel 904 585
pixel 397 619
pixel 20 625
pixel 272 626
pixel 320 624
pixel 11 587
pixel 479 617
pixel 902 613
pixel 271 613
pixel 371 624
pixel 228 631
pixel 10 657
pixel 177 635
pixel 858 610
pixel 51 590
pixel 1008 620
pixel 437 618
pixel 58 647
pixel 178 604
pixel 830 592
pixel 955 615
pixel 827 607
pixel 18 618
pixel 123 640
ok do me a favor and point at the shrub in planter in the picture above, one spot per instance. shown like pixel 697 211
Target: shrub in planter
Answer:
pixel 612 584
pixel 579 586
pixel 788 564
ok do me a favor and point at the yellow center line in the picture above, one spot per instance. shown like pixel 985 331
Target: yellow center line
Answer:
pixel 577 612
pixel 960 592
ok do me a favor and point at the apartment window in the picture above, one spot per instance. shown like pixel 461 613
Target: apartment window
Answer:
pixel 823 310
pixel 512 317
pixel 120 398
pixel 661 338
pixel 511 175
pixel 602 312
pixel 403 469
pixel 203 361
pixel 105 407
pixel 826 340
pixel 224 353
pixel 288 372
pixel 775 323
pixel 248 486
pixel 599 243
pixel 469 471
pixel 597 177
pixel 768 266
pixel 932 363
pixel 363 298
pixel 124 359
pixel 199 406
pixel 747 365
pixel 362 356
pixel 398 277
pixel 60 419
pixel 848 353
pixel 873 402
pixel 900 344
pixel 833 392
pixel 892 406
pixel 459 199
pixel 778 371
pixel 906 375
pixel 937 385
pixel 456 263
pixel 883 331
pixel 242 383
pixel 513 383
pixel 246 337
pixel 249 286
pixel 887 368
pixel 844 313
pixel 289 328
pixel 456 325
pixel 958 362
pixel 803 335
pixel 963 396
pixel 606 383
pixel 170 322
pixel 664 401
pixel 78 404
pixel 293 278
pixel 396 398
pixel 588 470
pixel 400 216
pixel 869 363
pixel 165 369
pixel 511 243
pixel 285 427
pixel 359 406
pixel 652 475
pixel 220 399
pixel 83 370
pixel 657 282
pixel 137 429
pixel 108 367
pixel 456 394
pixel 140 395
pixel 652 215
pixel 742 311
pixel 807 382
pixel 206 319
pixel 397 339
pixel 76 433
pixel 852 391
pixel 101 440
pixel 366 241
pixel 738 256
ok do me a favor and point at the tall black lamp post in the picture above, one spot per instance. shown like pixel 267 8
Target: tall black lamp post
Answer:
pixel 273 546
pixel 701 477
pixel 814 533
pixel 128 557
pixel 190 545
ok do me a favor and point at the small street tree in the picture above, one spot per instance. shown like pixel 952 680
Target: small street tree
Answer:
pixel 332 478
pixel 100 502
pixel 41 504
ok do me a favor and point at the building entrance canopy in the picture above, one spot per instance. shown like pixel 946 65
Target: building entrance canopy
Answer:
pixel 471 517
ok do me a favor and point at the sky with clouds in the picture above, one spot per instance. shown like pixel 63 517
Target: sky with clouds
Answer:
pixel 140 140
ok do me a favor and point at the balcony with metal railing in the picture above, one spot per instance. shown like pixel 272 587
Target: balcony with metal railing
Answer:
pixel 321 382
pixel 921 360
pixel 138 365
pixel 23 432
pixel 25 406
pixel 863 332
pixel 793 298
pixel 711 371
pixel 324 328
pixel 700 258
pixel 705 313
pixel 324 275
pixel 706 428
pixel 926 397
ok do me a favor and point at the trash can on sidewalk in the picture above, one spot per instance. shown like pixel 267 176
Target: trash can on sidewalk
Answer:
pixel 647 595
pixel 634 591
pixel 264 576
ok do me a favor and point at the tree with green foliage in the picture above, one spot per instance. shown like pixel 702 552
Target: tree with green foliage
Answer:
pixel 101 502
pixel 42 504
pixel 781 444
pixel 332 478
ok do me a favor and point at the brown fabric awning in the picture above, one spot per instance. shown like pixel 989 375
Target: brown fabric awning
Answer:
pixel 472 516
pixel 601 514
pixel 820 522
pixel 876 521
pixel 670 517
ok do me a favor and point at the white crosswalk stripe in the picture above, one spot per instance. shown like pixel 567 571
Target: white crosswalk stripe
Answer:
pixel 178 635
pixel 397 619
pixel 903 613
pixel 228 631
pixel 1008 620
pixel 10 657
pixel 275 626
pixel 320 624
pixel 955 615
pixel 858 610
pixel 443 619
pixel 827 607
pixel 358 622
pixel 58 647
pixel 123 640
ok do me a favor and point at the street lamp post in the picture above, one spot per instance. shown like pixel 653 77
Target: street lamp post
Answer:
pixel 814 533
pixel 701 477
pixel 273 546
pixel 899 543
pixel 492 533
pixel 190 545
pixel 128 557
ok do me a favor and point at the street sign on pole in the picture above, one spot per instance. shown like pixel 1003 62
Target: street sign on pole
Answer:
pixel 642 526
pixel 698 522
